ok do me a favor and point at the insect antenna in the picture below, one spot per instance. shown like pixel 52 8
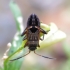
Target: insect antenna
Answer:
pixel 20 57
pixel 44 56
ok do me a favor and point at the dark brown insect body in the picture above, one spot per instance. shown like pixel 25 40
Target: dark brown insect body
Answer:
pixel 33 39
pixel 32 32
pixel 32 35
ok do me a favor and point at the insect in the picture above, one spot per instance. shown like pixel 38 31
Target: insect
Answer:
pixel 32 35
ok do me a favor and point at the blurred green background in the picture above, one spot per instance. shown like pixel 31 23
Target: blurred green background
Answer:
pixel 57 11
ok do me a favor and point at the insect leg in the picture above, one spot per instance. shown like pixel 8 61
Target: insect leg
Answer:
pixel 20 57
pixel 41 38
pixel 43 31
pixel 24 38
pixel 38 45
pixel 24 32
pixel 44 56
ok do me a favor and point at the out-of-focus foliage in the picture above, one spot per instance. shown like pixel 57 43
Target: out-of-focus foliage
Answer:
pixel 66 48
pixel 54 35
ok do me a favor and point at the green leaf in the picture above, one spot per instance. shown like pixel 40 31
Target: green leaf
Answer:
pixel 17 45
pixel 17 14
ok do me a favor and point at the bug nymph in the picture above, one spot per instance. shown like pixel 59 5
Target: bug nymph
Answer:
pixel 32 35
pixel 32 32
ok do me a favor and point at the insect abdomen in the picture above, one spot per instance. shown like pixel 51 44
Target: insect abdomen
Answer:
pixel 33 40
pixel 32 47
